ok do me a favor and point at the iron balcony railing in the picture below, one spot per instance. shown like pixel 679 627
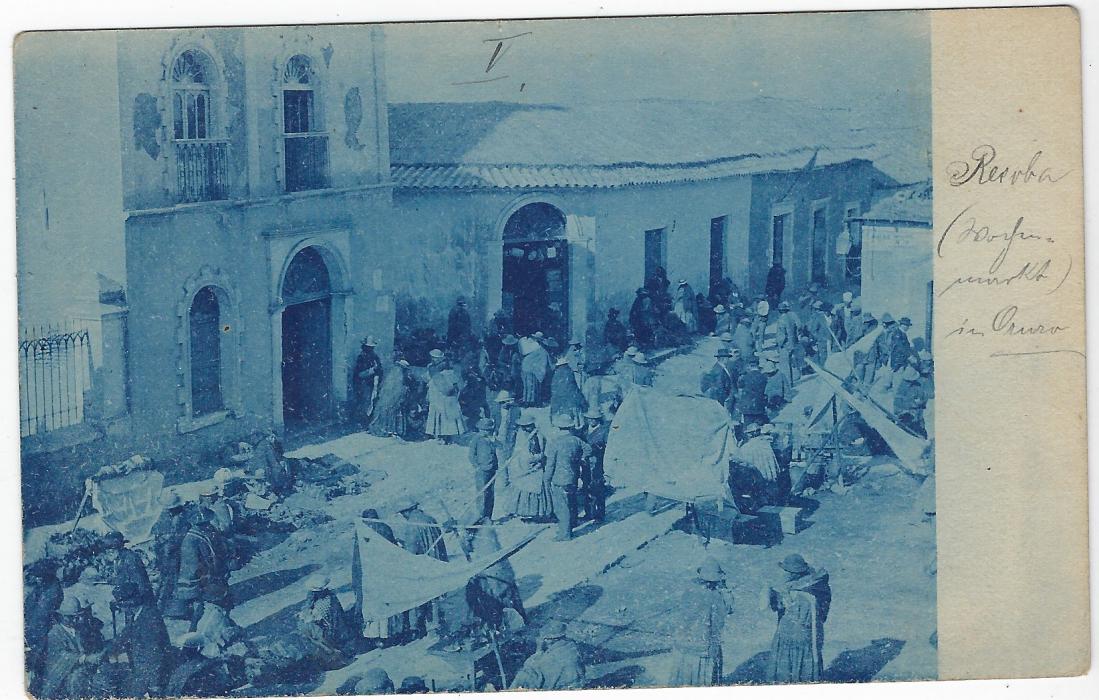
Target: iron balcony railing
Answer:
pixel 55 375
pixel 306 162
pixel 202 172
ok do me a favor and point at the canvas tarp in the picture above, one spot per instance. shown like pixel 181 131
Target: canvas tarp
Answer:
pixel 905 445
pixel 391 580
pixel 129 503
pixel 675 446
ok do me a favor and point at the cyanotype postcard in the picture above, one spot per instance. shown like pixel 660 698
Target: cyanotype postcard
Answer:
pixel 551 354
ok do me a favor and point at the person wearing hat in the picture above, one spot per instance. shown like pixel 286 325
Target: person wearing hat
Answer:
pixel 642 373
pixel 167 536
pixel 565 396
pixel 459 326
pixel 643 319
pixel 444 413
pixel 482 455
pixel 374 682
pixel 685 307
pixel 751 400
pixel 786 341
pixel 779 389
pixel 526 489
pixel 534 368
pixel 758 454
pixel 818 328
pixel 707 319
pixel 556 665
pixel 365 378
pixel 760 320
pixel 900 349
pixel 379 632
pixel 203 570
pixel 74 651
pixel 910 401
pixel 324 625
pixel 696 644
pixel 143 639
pixel 720 381
pixel 492 592
pixel 593 480
pixel 776 282
pixel 128 566
pixel 723 320
pixel 615 335
pixel 801 601
pixel 506 424
pixel 390 417
pixel 418 533
pixel 845 325
pixel 565 453
pixel 577 358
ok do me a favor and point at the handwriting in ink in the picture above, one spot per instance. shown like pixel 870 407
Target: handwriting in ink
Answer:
pixel 981 169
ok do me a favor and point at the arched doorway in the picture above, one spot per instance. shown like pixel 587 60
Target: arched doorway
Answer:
pixel 307 341
pixel 536 271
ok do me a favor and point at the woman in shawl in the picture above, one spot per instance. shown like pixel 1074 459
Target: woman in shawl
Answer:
pixel 390 418
pixel 444 413
pixel 565 397
pixel 801 601
pixel 685 306
pixel 395 626
pixel 527 496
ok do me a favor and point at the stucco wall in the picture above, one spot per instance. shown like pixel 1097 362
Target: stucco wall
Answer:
pixel 834 188
pixel 896 268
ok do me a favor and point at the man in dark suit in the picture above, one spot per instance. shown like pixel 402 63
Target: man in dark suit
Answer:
pixel 565 453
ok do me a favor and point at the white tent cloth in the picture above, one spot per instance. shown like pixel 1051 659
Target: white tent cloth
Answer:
pixel 395 580
pixel 129 503
pixel 675 446
pixel 905 445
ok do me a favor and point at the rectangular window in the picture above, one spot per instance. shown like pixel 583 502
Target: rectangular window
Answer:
pixel 656 251
pixel 780 224
pixel 718 228
pixel 297 111
pixel 819 243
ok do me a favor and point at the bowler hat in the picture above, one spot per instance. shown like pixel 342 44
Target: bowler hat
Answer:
pixel 370 341
pixel 374 681
pixel 594 413
pixel 437 354
pixel 719 309
pixel 539 335
pixel 485 424
pixel 554 629
pixel 562 361
pixel 795 564
pixel 576 343
pixel 726 337
pixel 905 321
pixel 504 396
pixel 639 358
pixel 112 539
pixel 887 319
pixel 711 570
pixel 525 419
pixel 509 339
pixel 848 296
pixel 784 306
pixel 71 605
pixel 403 363
pixel 631 351
pixel 818 304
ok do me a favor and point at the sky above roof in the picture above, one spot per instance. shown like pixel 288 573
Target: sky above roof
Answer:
pixel 825 58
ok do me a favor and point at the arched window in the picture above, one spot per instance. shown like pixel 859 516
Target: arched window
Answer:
pixel 306 148
pixel 192 74
pixel 204 320
pixel 306 277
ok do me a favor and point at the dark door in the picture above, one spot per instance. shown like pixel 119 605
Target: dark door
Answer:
pixel 820 247
pixel 536 285
pixel 717 251
pixel 306 363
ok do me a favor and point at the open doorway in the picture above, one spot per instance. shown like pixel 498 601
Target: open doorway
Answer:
pixel 307 342
pixel 536 271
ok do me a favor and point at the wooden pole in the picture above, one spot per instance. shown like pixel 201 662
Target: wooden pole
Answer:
pixel 499 657
pixel 80 510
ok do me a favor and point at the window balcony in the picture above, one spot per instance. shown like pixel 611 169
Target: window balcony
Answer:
pixel 202 170
pixel 306 161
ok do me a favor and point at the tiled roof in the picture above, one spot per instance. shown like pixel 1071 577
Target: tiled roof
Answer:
pixel 612 144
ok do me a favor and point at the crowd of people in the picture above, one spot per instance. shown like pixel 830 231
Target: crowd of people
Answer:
pixel 489 393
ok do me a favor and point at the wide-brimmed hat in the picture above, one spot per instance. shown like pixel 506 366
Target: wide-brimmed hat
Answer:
pixel 710 570
pixel 848 296
pixel 504 396
pixel 509 339
pixel 403 363
pixel 784 306
pixel 554 629
pixel 576 343
pixel 485 424
pixel 562 420
pixel 639 358
pixel 404 503
pixel 525 419
pixel 726 337
pixel 763 308
pixel 370 341
pixel 719 309
pixel 887 319
pixel 114 538
pixel 561 361
pixel 437 354
pixel 593 413
pixel 905 321
pixel 818 304
pixel 630 351
pixel 723 352
pixel 795 564
pixel 539 335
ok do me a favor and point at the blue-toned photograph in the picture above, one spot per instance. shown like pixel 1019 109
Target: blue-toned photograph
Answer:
pixel 437 357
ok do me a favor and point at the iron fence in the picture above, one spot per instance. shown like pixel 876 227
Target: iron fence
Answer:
pixel 202 172
pixel 55 374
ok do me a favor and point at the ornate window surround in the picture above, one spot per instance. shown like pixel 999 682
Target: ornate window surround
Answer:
pixel 296 45
pixel 229 308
